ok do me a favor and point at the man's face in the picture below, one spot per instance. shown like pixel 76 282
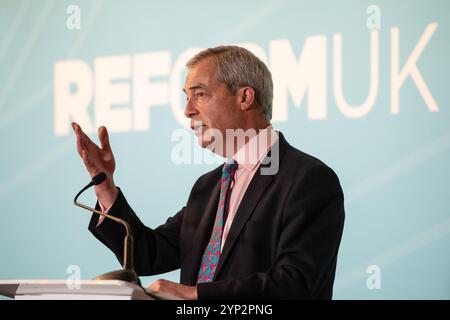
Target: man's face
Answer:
pixel 209 102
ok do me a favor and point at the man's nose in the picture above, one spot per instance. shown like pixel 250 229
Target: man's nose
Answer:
pixel 190 109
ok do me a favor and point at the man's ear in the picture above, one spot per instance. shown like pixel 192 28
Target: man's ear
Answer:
pixel 246 96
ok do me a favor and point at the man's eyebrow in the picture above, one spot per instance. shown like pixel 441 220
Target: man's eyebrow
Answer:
pixel 196 86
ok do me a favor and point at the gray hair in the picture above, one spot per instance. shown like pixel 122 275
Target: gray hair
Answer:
pixel 238 67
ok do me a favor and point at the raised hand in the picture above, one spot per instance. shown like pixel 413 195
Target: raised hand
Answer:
pixel 97 160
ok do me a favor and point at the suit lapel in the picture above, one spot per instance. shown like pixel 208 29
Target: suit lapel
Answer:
pixel 253 194
pixel 251 197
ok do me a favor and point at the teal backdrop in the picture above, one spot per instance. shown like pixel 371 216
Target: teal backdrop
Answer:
pixel 104 62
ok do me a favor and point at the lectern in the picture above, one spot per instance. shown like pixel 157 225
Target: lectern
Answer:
pixel 72 290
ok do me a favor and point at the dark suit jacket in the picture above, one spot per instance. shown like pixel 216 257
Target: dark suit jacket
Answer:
pixel 282 244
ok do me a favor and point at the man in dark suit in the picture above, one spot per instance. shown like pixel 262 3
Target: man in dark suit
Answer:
pixel 269 227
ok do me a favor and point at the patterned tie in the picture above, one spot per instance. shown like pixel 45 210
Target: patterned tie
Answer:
pixel 211 256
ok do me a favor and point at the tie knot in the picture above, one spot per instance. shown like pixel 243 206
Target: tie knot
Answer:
pixel 229 168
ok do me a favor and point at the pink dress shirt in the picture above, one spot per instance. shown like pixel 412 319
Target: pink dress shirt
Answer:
pixel 249 159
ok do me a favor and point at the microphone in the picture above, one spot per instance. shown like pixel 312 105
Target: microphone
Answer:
pixel 127 273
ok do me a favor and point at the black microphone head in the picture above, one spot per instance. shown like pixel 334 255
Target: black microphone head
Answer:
pixel 99 178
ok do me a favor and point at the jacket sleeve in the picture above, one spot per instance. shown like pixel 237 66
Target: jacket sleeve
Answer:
pixel 155 251
pixel 307 249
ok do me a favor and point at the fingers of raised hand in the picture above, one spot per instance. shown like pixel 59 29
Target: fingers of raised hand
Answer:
pixel 83 141
pixel 104 138
pixel 80 146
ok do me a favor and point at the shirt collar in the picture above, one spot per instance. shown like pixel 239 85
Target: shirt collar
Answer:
pixel 251 154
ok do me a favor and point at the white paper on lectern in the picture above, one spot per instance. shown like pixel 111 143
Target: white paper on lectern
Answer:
pixel 65 289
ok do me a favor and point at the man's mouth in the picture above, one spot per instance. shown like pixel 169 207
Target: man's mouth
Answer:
pixel 197 127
